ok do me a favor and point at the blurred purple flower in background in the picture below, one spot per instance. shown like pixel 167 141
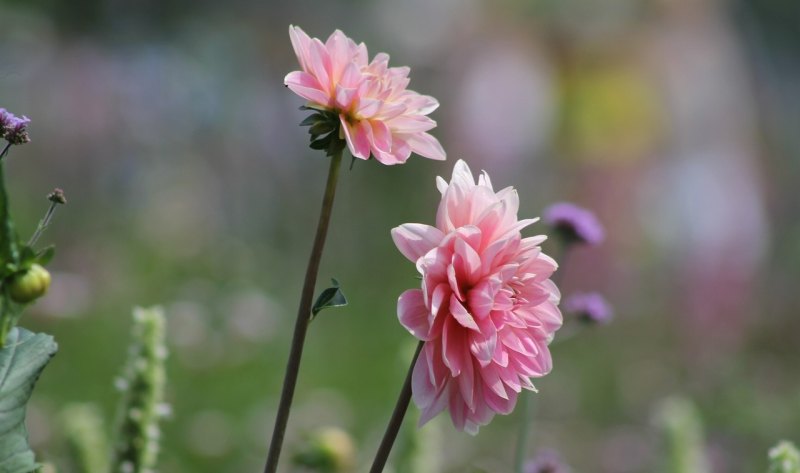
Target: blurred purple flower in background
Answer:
pixel 547 461
pixel 574 224
pixel 589 307
pixel 13 128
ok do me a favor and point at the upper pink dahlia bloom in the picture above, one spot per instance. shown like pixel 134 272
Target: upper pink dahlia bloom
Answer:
pixel 487 308
pixel 378 115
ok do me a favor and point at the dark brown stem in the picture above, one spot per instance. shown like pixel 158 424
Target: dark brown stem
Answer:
pixel 397 418
pixel 303 318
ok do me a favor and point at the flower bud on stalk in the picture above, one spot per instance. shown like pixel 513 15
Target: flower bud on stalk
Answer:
pixel 29 285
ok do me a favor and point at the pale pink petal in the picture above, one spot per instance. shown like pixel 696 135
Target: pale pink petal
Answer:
pixel 426 145
pixel 416 239
pixel 413 313
pixel 356 138
pixel 405 124
pixel 305 85
pixel 301 44
pixel 319 65
pixel 339 52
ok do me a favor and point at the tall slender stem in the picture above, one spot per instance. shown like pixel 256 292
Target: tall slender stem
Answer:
pixel 524 398
pixel 397 418
pixel 303 318
pixel 524 432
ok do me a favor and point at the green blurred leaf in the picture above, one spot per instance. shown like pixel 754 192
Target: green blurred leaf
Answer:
pixel 330 297
pixel 312 119
pixel 21 362
pixel 44 256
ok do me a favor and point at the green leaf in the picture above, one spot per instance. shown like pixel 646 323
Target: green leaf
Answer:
pixel 44 256
pixel 21 362
pixel 320 128
pixel 330 297
pixel 312 119
pixel 321 143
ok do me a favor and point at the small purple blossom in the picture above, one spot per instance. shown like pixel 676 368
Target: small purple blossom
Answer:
pixel 589 306
pixel 547 461
pixel 575 224
pixel 13 128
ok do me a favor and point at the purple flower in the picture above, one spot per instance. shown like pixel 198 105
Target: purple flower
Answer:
pixel 589 306
pixel 13 128
pixel 547 461
pixel 574 224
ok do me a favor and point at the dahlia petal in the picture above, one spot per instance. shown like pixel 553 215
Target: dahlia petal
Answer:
pixel 466 382
pixel 483 346
pixel 360 56
pixel 481 299
pixel 344 96
pixel 356 138
pixel 439 296
pixel 301 45
pixel 452 347
pixel 409 124
pixel 388 110
pixel 491 380
pixel 455 285
pixel 400 150
pixel 368 108
pixel 439 404
pixel 427 146
pixel 415 239
pixel 319 63
pixel 381 136
pixel 422 387
pixel 422 104
pixel 461 314
pixel 413 314
pixel 499 404
pixel 351 76
pixel 305 85
pixel 467 262
pixel 339 52
pixel 549 315
pixel 441 185
pixel 458 409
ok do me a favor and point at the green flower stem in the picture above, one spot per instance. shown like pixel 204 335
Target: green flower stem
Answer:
pixel 524 432
pixel 520 451
pixel 397 418
pixel 9 256
pixel 303 318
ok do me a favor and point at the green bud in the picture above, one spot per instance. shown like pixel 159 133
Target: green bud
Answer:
pixel 329 450
pixel 29 285
pixel 784 458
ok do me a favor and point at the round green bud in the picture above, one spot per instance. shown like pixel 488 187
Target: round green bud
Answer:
pixel 329 450
pixel 30 285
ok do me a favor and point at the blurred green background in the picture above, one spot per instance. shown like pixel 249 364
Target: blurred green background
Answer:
pixel 190 185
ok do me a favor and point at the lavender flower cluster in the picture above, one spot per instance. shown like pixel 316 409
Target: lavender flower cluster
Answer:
pixel 14 129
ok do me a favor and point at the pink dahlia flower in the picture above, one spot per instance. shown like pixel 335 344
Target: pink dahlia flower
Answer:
pixel 378 115
pixel 487 308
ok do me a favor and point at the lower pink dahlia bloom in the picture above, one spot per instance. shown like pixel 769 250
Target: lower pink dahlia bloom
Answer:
pixel 378 116
pixel 487 308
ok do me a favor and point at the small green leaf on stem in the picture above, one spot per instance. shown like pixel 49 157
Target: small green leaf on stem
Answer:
pixel 43 257
pixel 330 297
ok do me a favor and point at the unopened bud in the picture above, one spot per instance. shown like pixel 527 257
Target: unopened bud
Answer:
pixel 57 196
pixel 29 285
